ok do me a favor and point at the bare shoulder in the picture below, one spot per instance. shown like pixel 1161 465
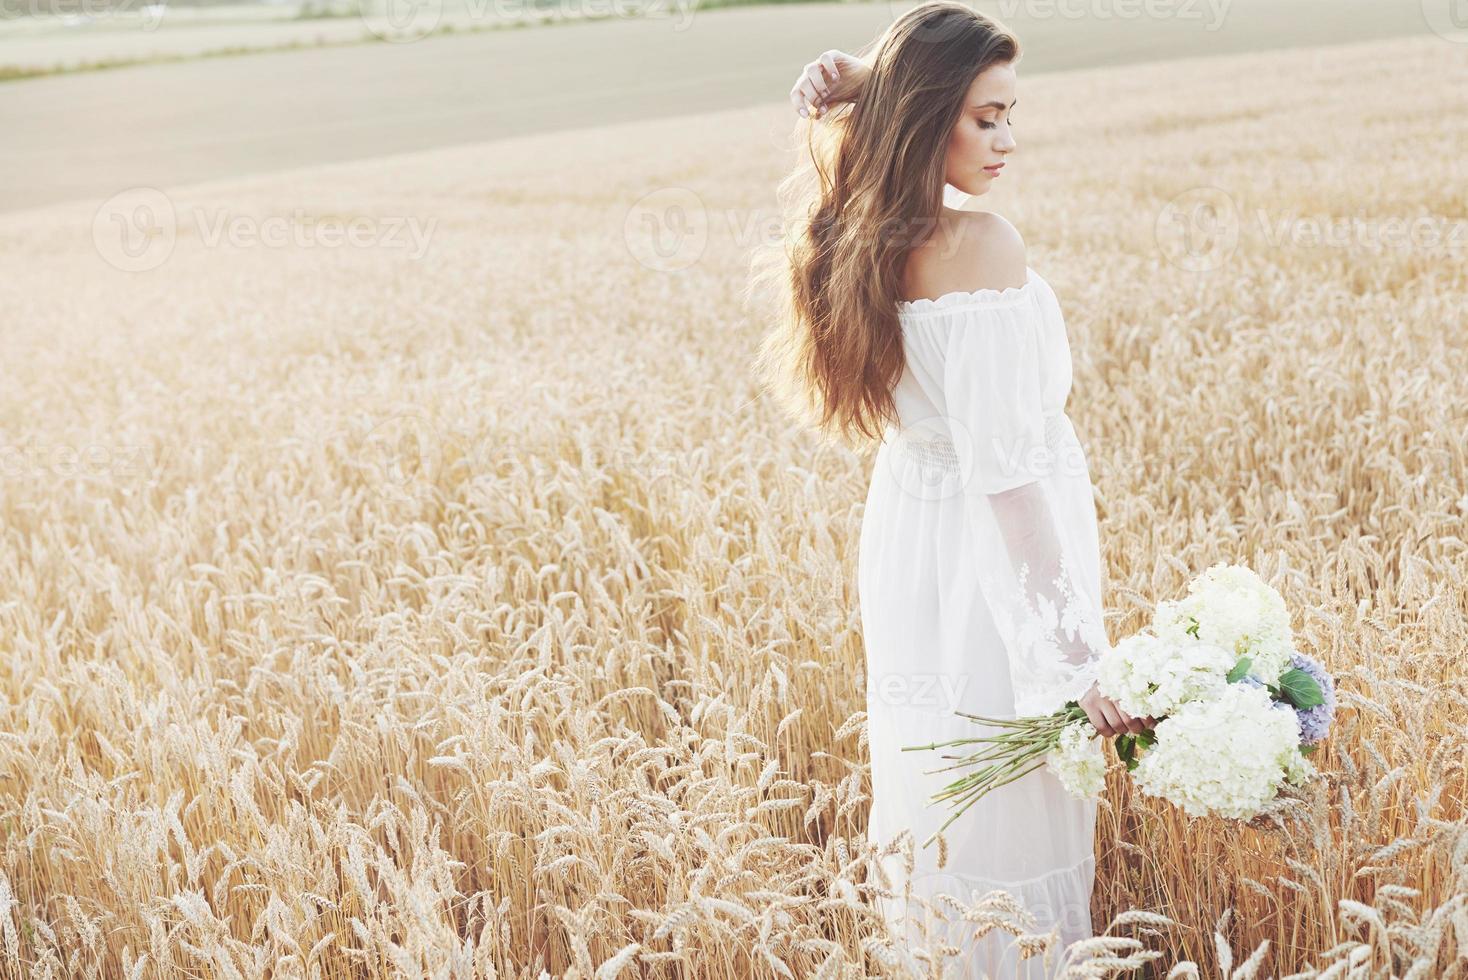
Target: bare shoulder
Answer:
pixel 970 250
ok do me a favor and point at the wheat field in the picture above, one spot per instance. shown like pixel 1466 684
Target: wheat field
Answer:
pixel 467 611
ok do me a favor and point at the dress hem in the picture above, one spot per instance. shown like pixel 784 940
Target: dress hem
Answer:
pixel 1001 883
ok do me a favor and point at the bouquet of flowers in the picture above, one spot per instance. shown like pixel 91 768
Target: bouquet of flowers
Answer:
pixel 1238 708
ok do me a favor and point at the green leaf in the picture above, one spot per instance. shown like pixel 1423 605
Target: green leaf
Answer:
pixel 1148 738
pixel 1300 689
pixel 1126 748
pixel 1240 669
pixel 1192 630
pixel 1307 749
pixel 1132 764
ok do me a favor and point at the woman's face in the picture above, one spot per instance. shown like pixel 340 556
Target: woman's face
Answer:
pixel 982 137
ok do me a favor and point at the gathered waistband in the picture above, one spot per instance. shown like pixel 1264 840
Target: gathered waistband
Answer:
pixel 937 452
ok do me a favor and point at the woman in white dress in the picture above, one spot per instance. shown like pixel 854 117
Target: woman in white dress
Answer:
pixel 923 329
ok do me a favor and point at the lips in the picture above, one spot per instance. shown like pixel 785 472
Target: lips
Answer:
pixel 994 169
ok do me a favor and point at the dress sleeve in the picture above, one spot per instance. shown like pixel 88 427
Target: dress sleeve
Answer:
pixel 1031 570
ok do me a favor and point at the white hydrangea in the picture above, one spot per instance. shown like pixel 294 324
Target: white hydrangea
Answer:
pixel 1148 675
pixel 1298 769
pixel 1225 756
pixel 1236 610
pixel 1078 761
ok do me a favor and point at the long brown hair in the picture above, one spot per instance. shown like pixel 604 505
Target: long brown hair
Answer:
pixel 835 352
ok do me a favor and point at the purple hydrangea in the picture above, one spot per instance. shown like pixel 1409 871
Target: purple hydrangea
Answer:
pixel 1253 681
pixel 1314 722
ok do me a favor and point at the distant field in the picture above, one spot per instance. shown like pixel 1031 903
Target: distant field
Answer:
pixel 165 125
pixel 75 35
pixel 401 570
pixel 88 35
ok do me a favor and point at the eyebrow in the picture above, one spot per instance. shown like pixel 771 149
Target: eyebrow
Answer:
pixel 996 105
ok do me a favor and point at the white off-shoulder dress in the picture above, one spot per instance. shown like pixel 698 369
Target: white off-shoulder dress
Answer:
pixel 980 591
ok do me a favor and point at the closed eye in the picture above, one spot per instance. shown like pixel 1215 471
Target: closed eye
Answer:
pixel 989 125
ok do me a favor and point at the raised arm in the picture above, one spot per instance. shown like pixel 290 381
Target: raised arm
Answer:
pixel 831 79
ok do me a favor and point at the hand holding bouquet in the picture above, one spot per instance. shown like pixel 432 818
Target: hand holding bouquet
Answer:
pixel 1238 708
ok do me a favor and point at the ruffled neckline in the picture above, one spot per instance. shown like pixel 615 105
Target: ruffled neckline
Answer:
pixel 1007 296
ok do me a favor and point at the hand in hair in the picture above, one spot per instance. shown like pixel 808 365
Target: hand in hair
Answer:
pixel 831 79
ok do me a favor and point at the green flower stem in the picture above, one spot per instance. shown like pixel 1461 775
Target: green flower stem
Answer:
pixel 979 779
pixel 996 763
pixel 965 806
pixel 1002 753
pixel 1004 756
pixel 972 739
pixel 1031 723
pixel 961 804
pixel 1026 722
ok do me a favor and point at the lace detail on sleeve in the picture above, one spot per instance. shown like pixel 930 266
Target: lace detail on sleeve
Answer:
pixel 1044 612
pixel 1040 585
